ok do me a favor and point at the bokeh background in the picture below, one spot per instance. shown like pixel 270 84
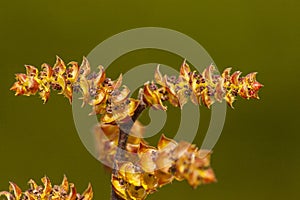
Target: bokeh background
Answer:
pixel 257 156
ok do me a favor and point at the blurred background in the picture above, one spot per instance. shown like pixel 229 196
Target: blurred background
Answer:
pixel 257 155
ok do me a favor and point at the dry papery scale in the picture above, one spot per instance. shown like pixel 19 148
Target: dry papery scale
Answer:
pixel 138 168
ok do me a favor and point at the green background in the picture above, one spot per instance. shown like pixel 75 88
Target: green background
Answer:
pixel 257 156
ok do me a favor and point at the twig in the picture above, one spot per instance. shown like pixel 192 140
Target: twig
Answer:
pixel 123 137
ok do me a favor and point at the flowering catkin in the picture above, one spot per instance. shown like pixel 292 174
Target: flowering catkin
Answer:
pixel 65 191
pixel 156 167
pixel 107 98
pixel 207 87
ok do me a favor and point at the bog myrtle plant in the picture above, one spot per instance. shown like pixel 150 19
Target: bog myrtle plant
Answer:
pixel 137 168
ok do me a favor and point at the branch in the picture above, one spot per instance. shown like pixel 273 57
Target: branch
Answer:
pixel 184 161
pixel 124 131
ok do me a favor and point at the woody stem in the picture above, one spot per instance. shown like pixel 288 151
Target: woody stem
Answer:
pixel 123 137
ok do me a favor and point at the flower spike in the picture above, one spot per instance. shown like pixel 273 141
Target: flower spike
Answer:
pixel 156 167
pixel 114 104
pixel 46 191
pixel 207 87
